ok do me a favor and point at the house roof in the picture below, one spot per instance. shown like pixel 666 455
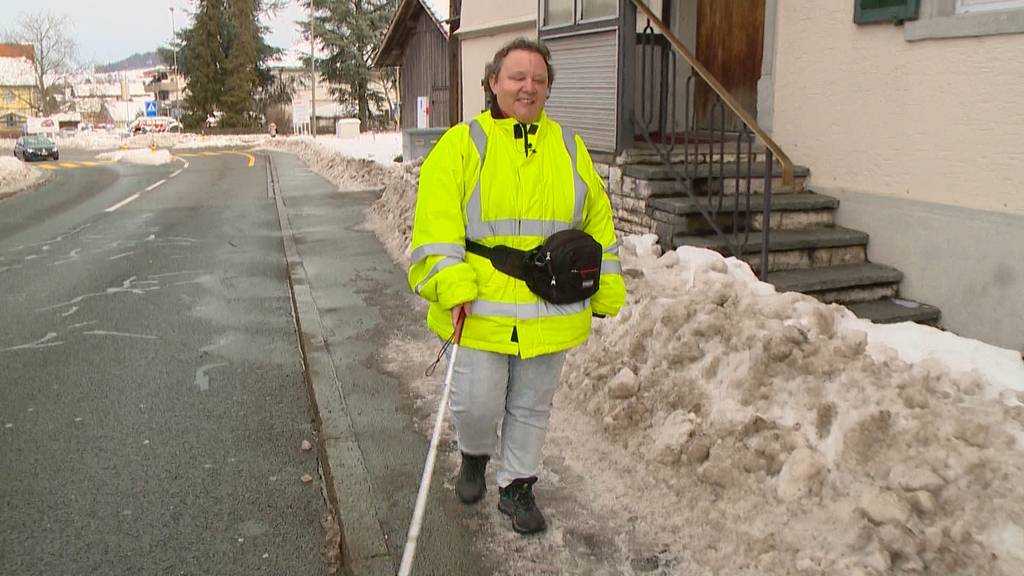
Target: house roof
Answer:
pixel 18 51
pixel 404 22
pixel 17 71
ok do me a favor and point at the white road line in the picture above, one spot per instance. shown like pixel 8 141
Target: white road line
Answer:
pixel 122 203
pixel 175 173
pixel 155 185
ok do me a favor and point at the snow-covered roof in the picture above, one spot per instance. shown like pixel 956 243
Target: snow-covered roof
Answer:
pixel 16 72
pixel 98 90
pixel 440 11
pixel 396 37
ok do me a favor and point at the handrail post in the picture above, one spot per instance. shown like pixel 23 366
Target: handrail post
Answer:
pixel 766 224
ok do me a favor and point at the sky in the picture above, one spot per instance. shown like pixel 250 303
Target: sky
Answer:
pixel 111 30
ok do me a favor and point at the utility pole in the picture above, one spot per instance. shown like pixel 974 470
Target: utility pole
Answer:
pixel 174 46
pixel 312 70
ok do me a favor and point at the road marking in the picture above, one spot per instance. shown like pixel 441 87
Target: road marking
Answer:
pixel 89 163
pixel 175 173
pixel 252 159
pixel 69 165
pixel 121 255
pixel 122 203
pixel 125 334
pixel 43 342
pixel 155 185
pixel 49 167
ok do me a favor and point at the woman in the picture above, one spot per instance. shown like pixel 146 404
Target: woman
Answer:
pixel 511 177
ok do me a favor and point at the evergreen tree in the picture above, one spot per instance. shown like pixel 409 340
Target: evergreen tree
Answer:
pixel 241 80
pixel 224 58
pixel 204 52
pixel 349 33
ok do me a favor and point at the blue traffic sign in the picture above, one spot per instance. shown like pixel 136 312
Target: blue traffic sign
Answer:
pixel 150 108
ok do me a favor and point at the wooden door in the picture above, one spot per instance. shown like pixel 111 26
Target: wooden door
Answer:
pixel 730 42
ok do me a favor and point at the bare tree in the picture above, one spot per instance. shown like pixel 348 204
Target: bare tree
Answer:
pixel 55 53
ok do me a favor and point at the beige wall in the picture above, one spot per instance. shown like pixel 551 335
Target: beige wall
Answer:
pixel 934 121
pixel 485 26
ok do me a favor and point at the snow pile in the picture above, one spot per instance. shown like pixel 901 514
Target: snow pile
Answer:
pixel 103 140
pixel 730 429
pixel 391 216
pixel 15 174
pixel 381 147
pixel 788 444
pixel 145 156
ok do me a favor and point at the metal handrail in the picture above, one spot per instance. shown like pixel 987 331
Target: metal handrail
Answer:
pixel 728 98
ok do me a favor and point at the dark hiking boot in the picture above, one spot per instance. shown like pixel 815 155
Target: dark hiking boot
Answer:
pixel 471 484
pixel 517 502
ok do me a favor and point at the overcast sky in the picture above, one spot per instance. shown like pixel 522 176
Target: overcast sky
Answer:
pixel 111 30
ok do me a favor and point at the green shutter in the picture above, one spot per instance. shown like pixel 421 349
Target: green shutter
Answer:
pixel 867 11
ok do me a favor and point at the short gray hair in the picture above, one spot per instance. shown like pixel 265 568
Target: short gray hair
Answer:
pixel 493 67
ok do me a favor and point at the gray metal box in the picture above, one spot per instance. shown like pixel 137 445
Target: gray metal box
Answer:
pixel 417 142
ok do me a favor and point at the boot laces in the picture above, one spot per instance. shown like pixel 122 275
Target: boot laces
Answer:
pixel 522 494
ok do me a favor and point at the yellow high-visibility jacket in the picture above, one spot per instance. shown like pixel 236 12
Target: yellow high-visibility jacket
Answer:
pixel 536 180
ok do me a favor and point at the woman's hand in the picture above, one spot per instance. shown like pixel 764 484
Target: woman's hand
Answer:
pixel 466 307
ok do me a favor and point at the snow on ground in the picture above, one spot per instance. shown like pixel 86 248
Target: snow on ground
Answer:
pixel 102 140
pixel 16 175
pixel 718 427
pixel 145 156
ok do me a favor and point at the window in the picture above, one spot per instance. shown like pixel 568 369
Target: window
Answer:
pixel 868 11
pixel 571 12
pixel 594 9
pixel 975 6
pixel 965 18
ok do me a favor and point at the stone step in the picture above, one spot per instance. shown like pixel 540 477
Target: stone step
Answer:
pixel 893 310
pixel 728 170
pixel 684 205
pixel 788 249
pixel 681 215
pixel 783 240
pixel 845 284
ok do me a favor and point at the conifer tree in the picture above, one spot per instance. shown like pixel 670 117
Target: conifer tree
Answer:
pixel 349 33
pixel 242 50
pixel 204 52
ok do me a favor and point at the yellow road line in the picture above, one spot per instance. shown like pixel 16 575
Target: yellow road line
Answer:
pixel 48 167
pixel 211 153
pixel 69 165
pixel 252 159
pixel 88 163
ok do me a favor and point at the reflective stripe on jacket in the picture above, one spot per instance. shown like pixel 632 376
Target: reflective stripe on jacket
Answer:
pixel 521 197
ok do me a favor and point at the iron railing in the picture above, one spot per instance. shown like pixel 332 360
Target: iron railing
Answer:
pixel 706 154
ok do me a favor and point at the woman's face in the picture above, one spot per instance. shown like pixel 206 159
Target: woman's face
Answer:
pixel 521 85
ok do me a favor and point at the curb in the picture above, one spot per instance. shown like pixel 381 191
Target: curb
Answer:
pixel 363 544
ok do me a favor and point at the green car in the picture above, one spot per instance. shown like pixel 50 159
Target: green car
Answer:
pixel 35 147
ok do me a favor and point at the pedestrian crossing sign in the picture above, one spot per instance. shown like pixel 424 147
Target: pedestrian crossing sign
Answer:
pixel 150 108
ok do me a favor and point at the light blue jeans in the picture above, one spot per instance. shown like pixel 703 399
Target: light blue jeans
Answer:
pixel 491 390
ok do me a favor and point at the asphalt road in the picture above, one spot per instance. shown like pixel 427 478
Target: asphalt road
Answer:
pixel 152 401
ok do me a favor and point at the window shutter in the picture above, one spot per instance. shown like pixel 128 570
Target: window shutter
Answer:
pixel 867 11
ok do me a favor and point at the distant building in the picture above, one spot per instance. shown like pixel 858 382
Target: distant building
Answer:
pixel 17 85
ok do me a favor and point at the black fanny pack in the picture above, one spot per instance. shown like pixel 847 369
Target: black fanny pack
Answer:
pixel 565 269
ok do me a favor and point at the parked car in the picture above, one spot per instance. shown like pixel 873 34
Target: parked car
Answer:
pixel 35 147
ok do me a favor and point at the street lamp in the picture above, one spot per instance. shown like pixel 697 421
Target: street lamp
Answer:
pixel 174 47
pixel 312 70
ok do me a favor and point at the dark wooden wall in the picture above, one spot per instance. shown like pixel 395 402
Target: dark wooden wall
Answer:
pixel 425 73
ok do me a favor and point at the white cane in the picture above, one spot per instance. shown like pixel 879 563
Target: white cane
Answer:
pixel 428 467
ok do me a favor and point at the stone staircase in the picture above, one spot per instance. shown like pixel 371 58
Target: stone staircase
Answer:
pixel 808 252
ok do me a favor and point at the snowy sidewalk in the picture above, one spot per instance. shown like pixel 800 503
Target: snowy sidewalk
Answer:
pixel 374 451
